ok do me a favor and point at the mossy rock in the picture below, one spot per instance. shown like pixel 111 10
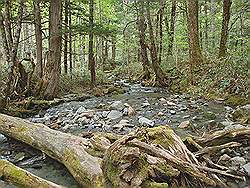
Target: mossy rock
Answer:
pixel 236 100
pixel 209 115
pixel 242 114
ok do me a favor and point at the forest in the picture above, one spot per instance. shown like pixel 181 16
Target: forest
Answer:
pixel 124 93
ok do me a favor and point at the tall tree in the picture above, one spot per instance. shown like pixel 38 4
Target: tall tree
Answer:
pixel 52 69
pixel 195 55
pixel 160 75
pixel 172 27
pixel 66 34
pixel 91 43
pixel 38 34
pixel 141 24
pixel 224 29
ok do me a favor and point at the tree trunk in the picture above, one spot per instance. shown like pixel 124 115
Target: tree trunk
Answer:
pixel 224 29
pixel 22 178
pixel 38 33
pixel 65 148
pixel 113 64
pixel 143 52
pixel 195 56
pixel 91 43
pixel 66 34
pixel 70 42
pixel 160 75
pixel 52 69
pixel 13 45
pixel 172 28
pixel 162 7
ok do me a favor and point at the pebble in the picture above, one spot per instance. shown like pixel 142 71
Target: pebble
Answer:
pixel 238 161
pixel 160 114
pixel 146 121
pixel 114 114
pixel 246 168
pixel 172 112
pixel 184 124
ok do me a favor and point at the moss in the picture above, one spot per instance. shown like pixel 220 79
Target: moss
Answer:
pixel 154 185
pixel 209 115
pixel 76 165
pixel 236 100
pixel 161 135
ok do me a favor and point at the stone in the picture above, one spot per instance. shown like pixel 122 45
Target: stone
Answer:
pixel 80 110
pixel 114 114
pixel 105 113
pixel 185 117
pixel 237 161
pixel 2 138
pixel 146 121
pixel 160 114
pixel 131 111
pixel 117 105
pixel 169 103
pixel 88 113
pixel 184 124
pixel 163 100
pixel 242 114
pixel 224 159
pixel 172 112
pixel 118 126
pixel 226 123
pixel 246 168
pixel 233 127
pixel 209 115
pixel 145 104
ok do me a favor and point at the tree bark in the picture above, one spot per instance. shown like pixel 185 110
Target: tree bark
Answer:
pixel 38 33
pixel 52 69
pixel 143 51
pixel 22 178
pixel 162 7
pixel 172 28
pixel 66 22
pixel 195 55
pixel 160 75
pixel 224 29
pixel 113 62
pixel 91 43
pixel 65 148
pixel 70 42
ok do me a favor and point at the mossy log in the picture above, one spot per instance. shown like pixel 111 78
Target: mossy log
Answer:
pixel 65 148
pixel 22 178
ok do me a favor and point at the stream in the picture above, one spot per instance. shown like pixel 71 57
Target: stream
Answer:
pixel 138 107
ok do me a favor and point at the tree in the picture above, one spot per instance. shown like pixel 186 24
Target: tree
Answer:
pixel 38 34
pixel 143 46
pixel 224 29
pixel 91 43
pixel 160 75
pixel 172 27
pixel 52 69
pixel 195 56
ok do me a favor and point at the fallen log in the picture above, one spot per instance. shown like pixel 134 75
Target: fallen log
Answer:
pixel 68 149
pixel 22 178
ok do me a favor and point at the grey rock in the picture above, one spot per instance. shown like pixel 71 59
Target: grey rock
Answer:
pixel 117 105
pixel 118 126
pixel 246 168
pixel 184 124
pixel 145 104
pixel 172 112
pixel 226 123
pixel 146 121
pixel 233 127
pixel 105 113
pixel 114 114
pixel 2 138
pixel 80 110
pixel 238 161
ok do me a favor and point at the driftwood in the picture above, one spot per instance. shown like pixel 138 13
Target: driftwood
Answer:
pixel 22 178
pixel 149 157
pixel 65 148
